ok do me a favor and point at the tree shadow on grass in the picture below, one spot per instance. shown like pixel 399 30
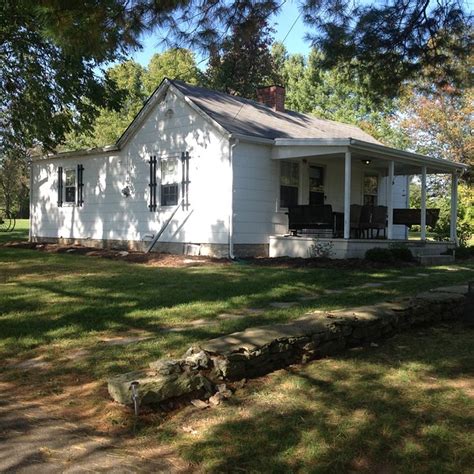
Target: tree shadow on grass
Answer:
pixel 350 413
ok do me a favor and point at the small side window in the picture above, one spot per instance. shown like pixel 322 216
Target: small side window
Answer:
pixel 70 186
pixel 289 183
pixel 169 191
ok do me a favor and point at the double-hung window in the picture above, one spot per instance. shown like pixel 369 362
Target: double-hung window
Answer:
pixel 169 189
pixel 70 184
pixel 289 183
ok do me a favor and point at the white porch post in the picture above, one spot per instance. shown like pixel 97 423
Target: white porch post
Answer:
pixel 454 207
pixel 347 195
pixel 391 177
pixel 423 203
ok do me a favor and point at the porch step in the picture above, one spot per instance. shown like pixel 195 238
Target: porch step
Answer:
pixel 436 259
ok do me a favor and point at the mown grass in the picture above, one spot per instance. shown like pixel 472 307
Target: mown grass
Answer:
pixel 53 302
pixel 20 232
pixel 406 406
pixel 398 408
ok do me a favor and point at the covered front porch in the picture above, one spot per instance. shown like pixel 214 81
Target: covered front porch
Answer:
pixel 347 189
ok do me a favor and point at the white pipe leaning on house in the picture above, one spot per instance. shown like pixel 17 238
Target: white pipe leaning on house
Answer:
pixel 347 194
pixel 30 227
pixel 231 210
pixel 391 177
pixel 454 208
pixel 423 203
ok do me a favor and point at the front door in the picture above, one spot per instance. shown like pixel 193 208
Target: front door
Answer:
pixel 316 185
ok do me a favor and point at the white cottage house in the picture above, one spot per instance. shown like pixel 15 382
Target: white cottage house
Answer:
pixel 203 172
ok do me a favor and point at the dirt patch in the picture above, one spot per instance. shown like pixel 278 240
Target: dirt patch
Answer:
pixel 151 259
pixel 168 260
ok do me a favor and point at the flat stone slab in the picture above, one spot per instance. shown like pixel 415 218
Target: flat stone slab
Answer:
pixel 309 297
pixel 311 323
pixel 372 285
pixel 439 296
pixel 231 317
pixel 333 292
pixel 283 304
pixel 153 387
pixel 457 289
pixel 123 341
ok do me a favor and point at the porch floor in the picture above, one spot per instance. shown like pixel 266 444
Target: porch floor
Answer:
pixel 304 246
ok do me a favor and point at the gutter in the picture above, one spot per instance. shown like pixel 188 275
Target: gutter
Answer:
pixel 408 155
pixel 231 210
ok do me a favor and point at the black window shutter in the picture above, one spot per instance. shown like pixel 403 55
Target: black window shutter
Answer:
pixel 80 185
pixel 152 185
pixel 60 186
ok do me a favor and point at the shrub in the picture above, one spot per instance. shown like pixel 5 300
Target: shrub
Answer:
pixel 463 253
pixel 396 253
pixel 401 252
pixel 379 255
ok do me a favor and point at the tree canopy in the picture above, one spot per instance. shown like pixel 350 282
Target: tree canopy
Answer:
pixel 51 52
pixel 233 64
pixel 136 84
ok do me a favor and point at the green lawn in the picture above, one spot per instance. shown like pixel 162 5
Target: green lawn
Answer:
pixel 406 406
pixel 59 310
pixel 55 301
pixel 19 233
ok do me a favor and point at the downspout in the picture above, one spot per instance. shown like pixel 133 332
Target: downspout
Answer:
pixel 231 210
pixel 30 234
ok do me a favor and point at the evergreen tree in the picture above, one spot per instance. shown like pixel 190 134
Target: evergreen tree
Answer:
pixel 243 61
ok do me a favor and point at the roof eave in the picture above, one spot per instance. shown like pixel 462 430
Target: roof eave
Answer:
pixel 406 155
pixel 77 153
pixel 379 149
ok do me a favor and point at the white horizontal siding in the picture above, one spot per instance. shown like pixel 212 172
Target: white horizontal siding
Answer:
pixel 107 214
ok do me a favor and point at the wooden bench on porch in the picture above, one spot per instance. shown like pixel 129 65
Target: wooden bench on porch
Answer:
pixel 312 219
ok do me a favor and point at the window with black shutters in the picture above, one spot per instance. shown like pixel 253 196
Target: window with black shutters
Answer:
pixel 289 183
pixel 169 190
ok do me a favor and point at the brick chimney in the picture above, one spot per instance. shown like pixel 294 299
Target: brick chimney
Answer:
pixel 272 96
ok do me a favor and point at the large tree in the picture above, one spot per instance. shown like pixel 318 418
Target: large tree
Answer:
pixel 175 63
pixel 243 61
pixel 135 83
pixel 14 185
pixel 331 93
pixel 51 50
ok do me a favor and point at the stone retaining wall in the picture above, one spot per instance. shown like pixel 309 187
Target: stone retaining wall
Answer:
pixel 257 351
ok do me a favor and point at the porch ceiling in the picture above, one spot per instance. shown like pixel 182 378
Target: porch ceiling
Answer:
pixel 406 163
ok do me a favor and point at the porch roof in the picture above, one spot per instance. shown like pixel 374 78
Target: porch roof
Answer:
pixel 406 162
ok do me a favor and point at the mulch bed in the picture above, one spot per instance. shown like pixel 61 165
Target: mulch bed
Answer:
pixel 169 260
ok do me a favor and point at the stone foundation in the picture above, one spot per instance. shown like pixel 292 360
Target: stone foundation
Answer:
pixel 176 248
pixel 257 351
pixel 131 245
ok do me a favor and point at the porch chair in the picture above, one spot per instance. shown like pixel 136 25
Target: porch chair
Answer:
pixel 365 219
pixel 379 221
pixel 356 210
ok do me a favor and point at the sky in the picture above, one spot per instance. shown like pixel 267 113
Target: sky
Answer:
pixel 282 23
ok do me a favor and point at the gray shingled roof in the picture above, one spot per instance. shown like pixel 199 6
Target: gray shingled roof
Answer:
pixel 247 117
